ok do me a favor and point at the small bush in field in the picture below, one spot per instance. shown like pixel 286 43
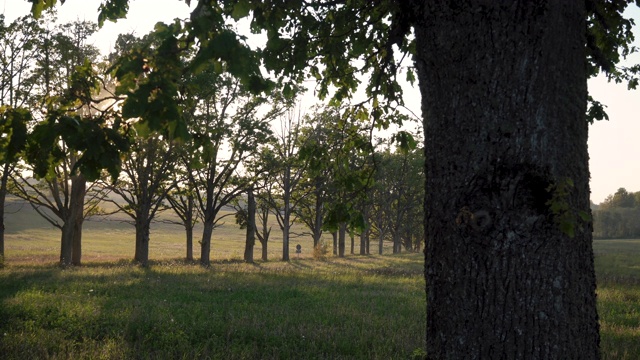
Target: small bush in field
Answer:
pixel 320 251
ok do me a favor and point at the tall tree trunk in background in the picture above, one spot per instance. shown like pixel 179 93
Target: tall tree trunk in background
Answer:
pixel 188 227
pixel 287 213
pixel 364 236
pixel 78 191
pixel 143 230
pixel 265 254
pixel 353 242
pixel 205 244
pixel 189 233
pixel 334 235
pixel 251 227
pixel 504 95
pixel 66 241
pixel 397 242
pixel 380 243
pixel 363 244
pixel 342 230
pixel 3 197
pixel 317 231
pixel 70 216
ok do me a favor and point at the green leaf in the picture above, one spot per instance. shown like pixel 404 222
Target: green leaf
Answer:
pixel 411 78
pixel 240 9
pixel 584 216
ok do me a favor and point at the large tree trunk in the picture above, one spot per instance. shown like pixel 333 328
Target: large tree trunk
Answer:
pixel 251 228
pixel 504 94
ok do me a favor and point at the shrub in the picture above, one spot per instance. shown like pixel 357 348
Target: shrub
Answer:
pixel 320 251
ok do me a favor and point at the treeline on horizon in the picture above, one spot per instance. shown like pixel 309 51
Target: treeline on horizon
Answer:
pixel 617 216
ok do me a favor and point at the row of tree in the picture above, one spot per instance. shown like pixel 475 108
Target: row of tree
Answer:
pixel 617 216
pixel 64 118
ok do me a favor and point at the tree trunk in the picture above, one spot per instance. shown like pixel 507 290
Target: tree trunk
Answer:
pixel 397 245
pixel 71 237
pixel 504 101
pixel 368 242
pixel 66 242
pixel 142 240
pixel 265 256
pixel 341 239
pixel 76 255
pixel 78 190
pixel 380 243
pixel 3 197
pixel 353 242
pixel 317 230
pixel 189 234
pixel 334 235
pixel 205 244
pixel 286 217
pixel 251 228
pixel 188 227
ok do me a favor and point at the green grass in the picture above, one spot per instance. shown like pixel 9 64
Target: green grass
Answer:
pixel 618 277
pixel 357 308
pixel 360 307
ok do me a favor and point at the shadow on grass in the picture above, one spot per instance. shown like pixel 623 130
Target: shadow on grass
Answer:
pixel 230 310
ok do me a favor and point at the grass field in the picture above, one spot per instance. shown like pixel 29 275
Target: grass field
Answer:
pixel 360 307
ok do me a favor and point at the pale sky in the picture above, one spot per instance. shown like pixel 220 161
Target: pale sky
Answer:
pixel 614 146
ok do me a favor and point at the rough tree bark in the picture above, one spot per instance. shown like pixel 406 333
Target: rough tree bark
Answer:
pixel 504 95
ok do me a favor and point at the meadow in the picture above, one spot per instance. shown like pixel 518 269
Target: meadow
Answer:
pixel 359 307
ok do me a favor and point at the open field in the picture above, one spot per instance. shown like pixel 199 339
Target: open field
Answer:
pixel 366 307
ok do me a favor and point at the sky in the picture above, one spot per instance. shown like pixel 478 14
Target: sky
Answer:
pixel 614 145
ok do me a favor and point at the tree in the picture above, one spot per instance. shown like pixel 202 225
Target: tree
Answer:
pixel 286 169
pixel 621 199
pixel 18 49
pixel 227 131
pixel 143 186
pixel 509 262
pixel 183 203
pixel 397 197
pixel 617 215
pixel 13 135
pixel 74 140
